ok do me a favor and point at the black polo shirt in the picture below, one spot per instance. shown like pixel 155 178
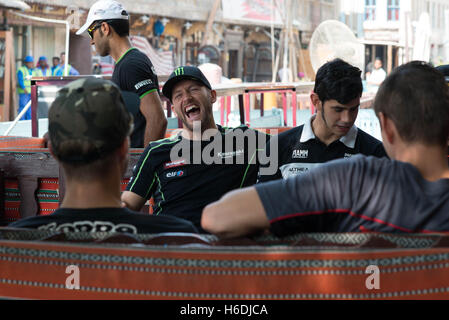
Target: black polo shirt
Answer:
pixel 183 187
pixel 299 150
pixel 135 73
pixel 104 220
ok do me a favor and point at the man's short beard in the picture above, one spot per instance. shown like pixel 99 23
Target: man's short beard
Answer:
pixel 205 122
pixel 106 50
pixel 322 115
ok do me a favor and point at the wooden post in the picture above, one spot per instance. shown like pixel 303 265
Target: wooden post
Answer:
pixel 241 109
pixel 278 57
pixel 228 108
pixel 8 93
pixel 2 198
pixel 34 104
pixel 247 108
pixel 284 107
pixel 222 101
pixel 294 106
pixel 210 21
pixel 390 59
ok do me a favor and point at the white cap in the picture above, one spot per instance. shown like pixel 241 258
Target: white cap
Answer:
pixel 104 10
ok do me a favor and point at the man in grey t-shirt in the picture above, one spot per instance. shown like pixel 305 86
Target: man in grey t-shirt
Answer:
pixel 409 193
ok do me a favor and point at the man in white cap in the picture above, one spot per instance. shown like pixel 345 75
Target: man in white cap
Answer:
pixel 108 27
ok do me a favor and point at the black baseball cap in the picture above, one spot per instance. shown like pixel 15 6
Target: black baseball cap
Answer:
pixel 184 73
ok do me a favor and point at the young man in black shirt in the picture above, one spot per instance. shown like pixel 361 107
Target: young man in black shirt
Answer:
pixel 330 133
pixel 108 26
pixel 89 130
pixel 188 171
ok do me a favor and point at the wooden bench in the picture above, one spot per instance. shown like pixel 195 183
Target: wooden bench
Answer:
pixel 183 266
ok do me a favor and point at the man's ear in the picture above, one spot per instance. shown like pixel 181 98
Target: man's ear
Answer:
pixel 213 95
pixel 388 128
pixel 315 100
pixel 124 147
pixel 173 110
pixel 106 29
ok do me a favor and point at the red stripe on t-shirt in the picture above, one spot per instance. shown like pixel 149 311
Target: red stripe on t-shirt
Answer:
pixel 302 214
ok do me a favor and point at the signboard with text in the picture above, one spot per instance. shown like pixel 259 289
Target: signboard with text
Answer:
pixel 256 11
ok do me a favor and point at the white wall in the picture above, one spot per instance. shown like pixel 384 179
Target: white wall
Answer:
pixel 439 24
pixel 381 21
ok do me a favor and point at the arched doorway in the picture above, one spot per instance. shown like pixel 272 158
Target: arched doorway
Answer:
pixel 209 54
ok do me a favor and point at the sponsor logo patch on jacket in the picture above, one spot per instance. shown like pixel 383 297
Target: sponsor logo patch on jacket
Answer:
pixel 227 155
pixel 174 174
pixel 300 154
pixel 143 83
pixel 174 164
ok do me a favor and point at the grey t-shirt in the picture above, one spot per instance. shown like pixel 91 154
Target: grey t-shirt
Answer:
pixel 362 194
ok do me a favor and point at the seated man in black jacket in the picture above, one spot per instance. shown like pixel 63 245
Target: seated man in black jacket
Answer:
pixel 188 171
pixel 89 131
pixel 331 133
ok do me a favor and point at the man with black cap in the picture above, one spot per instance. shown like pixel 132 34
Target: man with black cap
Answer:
pixel 107 25
pixel 186 172
pixel 89 130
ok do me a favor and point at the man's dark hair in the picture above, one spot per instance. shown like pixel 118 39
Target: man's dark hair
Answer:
pixel 120 26
pixel 338 80
pixel 416 98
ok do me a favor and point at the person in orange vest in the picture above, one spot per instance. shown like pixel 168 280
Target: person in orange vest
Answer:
pixel 24 75
pixel 43 68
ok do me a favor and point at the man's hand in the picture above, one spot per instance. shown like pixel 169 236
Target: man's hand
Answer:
pixel 132 201
pixel 238 213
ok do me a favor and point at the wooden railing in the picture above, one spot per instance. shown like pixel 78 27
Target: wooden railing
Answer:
pixel 225 92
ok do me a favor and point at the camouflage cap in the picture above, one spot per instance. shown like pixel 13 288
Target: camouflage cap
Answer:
pixel 88 120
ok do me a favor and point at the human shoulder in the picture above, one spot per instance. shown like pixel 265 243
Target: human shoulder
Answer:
pixel 163 144
pixel 293 133
pixel 358 166
pixel 369 145
pixel 135 59
pixel 241 127
pixel 288 139
pixel 172 139
pixel 366 137
pixel 158 223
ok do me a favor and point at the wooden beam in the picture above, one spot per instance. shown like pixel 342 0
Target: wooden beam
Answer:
pixel 210 22
pixel 390 59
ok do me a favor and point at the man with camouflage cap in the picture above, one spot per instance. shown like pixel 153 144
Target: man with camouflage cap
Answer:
pixel 89 129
